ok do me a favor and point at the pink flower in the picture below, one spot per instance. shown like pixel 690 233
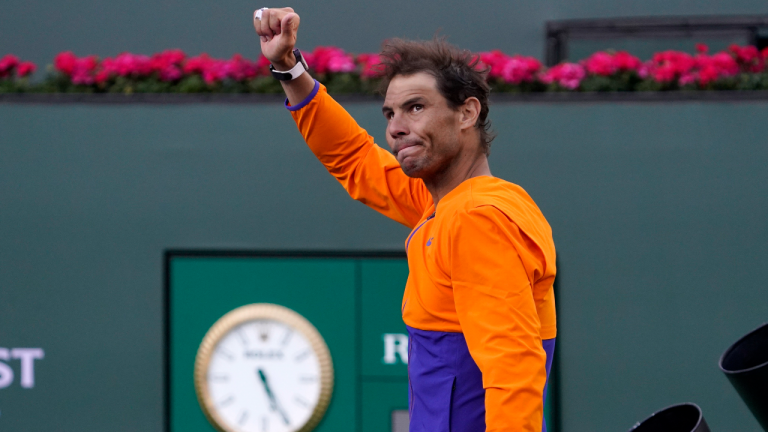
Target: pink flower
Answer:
pixel 26 68
pixel 330 59
pixel 496 60
pixel 687 79
pixel 711 68
pixel 708 74
pixel 7 64
pixel 88 63
pixel 82 77
pixel 568 75
pixel 65 62
pixel 240 69
pixel 744 54
pixel 262 66
pixel 167 64
pixel 702 48
pixel 371 65
pixel 607 64
pixel 127 64
pixel 748 58
pixel 102 76
pixel 197 64
pixel 215 71
pixel 726 64
pixel 667 66
pixel 83 70
pixel 168 57
pixel 644 71
pixel 625 62
pixel 341 63
pixel 600 63
pixel 170 73
pixel 665 73
pixel 520 69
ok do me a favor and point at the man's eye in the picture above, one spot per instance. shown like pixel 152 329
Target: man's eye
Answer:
pixel 417 108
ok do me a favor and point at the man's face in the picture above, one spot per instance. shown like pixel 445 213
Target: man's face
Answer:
pixel 422 130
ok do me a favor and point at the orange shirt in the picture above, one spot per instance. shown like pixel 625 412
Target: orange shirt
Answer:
pixel 482 263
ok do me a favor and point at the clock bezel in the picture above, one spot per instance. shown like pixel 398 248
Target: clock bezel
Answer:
pixel 262 311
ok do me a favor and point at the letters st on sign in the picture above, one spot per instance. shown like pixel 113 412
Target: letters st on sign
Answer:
pixel 26 358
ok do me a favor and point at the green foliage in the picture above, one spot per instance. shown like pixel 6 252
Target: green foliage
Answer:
pixel 499 86
pixel 620 82
pixel 353 83
pixel 14 85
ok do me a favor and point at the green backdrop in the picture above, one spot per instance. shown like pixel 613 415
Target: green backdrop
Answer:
pixel 658 213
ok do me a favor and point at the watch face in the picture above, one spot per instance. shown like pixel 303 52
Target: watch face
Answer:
pixel 264 375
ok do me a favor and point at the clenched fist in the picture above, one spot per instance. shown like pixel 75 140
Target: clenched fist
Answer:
pixel 277 31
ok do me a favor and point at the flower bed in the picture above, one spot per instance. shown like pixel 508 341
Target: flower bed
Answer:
pixel 14 74
pixel 172 71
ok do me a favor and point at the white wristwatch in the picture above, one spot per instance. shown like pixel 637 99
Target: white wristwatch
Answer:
pixel 295 72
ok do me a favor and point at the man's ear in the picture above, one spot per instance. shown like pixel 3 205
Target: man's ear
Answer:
pixel 470 111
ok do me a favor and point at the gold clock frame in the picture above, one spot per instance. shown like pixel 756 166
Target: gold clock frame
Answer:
pixel 261 311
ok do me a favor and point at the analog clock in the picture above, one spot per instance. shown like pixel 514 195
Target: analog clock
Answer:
pixel 263 368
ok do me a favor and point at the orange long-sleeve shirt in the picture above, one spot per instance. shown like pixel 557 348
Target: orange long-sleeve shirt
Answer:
pixel 482 263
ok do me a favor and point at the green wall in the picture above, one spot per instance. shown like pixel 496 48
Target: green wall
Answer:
pixel 658 210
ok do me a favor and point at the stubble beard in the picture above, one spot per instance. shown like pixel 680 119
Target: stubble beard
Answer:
pixel 413 167
pixel 432 161
pixel 428 166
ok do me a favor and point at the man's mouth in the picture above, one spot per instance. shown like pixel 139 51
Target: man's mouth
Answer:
pixel 406 149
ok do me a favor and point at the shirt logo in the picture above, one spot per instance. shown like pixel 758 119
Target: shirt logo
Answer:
pixel 429 242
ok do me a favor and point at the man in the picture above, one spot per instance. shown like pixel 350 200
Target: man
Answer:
pixel 478 303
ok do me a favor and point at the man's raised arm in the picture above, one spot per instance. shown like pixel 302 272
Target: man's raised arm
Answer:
pixel 369 173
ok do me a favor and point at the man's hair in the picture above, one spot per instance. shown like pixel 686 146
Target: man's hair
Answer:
pixel 456 71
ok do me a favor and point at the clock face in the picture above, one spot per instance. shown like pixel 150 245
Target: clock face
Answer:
pixel 264 377
pixel 264 374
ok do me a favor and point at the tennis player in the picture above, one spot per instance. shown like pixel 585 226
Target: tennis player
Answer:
pixel 479 303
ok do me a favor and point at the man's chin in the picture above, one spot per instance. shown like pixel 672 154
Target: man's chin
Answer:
pixel 412 169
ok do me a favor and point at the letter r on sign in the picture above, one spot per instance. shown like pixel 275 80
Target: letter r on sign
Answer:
pixel 395 344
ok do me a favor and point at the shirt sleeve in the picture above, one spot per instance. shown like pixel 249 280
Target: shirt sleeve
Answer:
pixel 369 173
pixel 497 313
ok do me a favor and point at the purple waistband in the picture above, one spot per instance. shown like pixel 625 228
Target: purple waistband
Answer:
pixel 446 387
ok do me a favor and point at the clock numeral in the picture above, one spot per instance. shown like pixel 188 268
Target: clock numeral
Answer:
pixel 301 401
pixel 303 355
pixel 287 338
pixel 219 378
pixel 263 330
pixel 243 418
pixel 225 353
pixel 242 337
pixel 264 424
pixel 226 402
pixel 308 378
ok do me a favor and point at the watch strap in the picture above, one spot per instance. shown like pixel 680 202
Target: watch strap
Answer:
pixel 295 71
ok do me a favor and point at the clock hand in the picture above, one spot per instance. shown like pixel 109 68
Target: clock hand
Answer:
pixel 272 400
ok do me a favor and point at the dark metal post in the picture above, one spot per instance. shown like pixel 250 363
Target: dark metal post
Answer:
pixel 685 417
pixel 745 364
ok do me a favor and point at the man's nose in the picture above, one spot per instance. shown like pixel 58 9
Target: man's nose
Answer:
pixel 397 127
